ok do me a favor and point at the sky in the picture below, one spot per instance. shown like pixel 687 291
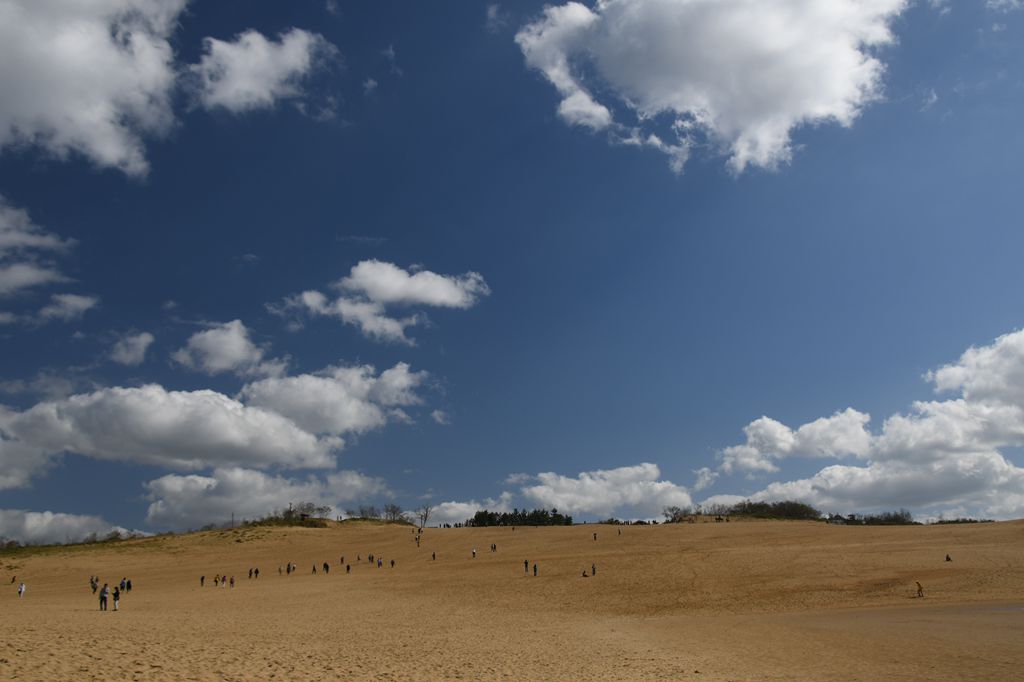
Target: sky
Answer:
pixel 606 257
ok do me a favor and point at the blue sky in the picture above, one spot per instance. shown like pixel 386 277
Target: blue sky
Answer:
pixel 601 257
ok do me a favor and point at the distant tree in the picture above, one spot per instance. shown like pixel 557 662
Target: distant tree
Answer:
pixel 423 514
pixel 368 512
pixel 392 512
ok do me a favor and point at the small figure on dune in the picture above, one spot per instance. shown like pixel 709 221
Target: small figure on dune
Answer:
pixel 433 556
pixel 216 580
pixel 104 593
pixel 535 570
pixel 256 572
pixel 474 552
pixel 595 537
pixel 526 566
pixel 949 558
pixel 117 597
pixel 584 574
pixel 128 585
pixel 232 581
pixel 21 590
pixel 314 569
pixel 593 569
pixel 392 563
pixel 348 568
pixel 250 574
pixel 920 590
pixel 202 581
pixel 327 567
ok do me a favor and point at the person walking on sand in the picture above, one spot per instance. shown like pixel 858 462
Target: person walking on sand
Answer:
pixel 202 581
pixel 21 589
pixel 327 568
pixel 232 581
pixel 128 585
pixel 117 597
pixel 348 568
pixel 595 537
pixel 920 590
pixel 392 563
pixel 256 573
pixel 474 552
pixel 433 556
pixel 104 593
pixel 593 569
pixel 535 570
pixel 526 566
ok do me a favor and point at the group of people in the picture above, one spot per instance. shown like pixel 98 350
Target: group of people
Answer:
pixel 106 594
pixel 222 580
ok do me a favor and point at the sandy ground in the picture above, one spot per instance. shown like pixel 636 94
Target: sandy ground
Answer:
pixel 736 601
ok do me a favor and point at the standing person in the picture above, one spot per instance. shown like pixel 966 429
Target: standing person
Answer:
pixel 202 581
pixel 232 581
pixel 348 568
pixel 250 574
pixel 380 563
pixel 433 556
pixel 216 580
pixel 123 584
pixel 327 568
pixel 257 573
pixel 474 552
pixel 129 584
pixel 392 563
pixel 920 590
pixel 593 569
pixel 314 569
pixel 21 589
pixel 117 597
pixel 104 593
pixel 595 537
pixel 535 570
pixel 526 566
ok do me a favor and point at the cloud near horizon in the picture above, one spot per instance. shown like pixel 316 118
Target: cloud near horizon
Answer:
pixel 943 456
pixel 29 527
pixel 194 501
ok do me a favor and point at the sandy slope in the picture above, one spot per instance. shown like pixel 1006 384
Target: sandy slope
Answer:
pixel 737 601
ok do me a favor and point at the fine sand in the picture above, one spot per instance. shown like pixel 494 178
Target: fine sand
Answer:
pixel 707 601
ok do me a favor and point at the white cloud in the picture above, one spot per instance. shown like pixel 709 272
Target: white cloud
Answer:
pixel 457 512
pixel 441 417
pixel 844 433
pixel 369 86
pixel 24 251
pixel 940 455
pixel 606 492
pixel 389 284
pixel 131 348
pixel 252 72
pixel 1005 5
pixel 48 527
pixel 337 400
pixel 194 501
pixel 227 348
pixel 67 307
pixel 742 74
pixel 87 77
pixel 494 18
pixel 372 285
pixel 149 425
pixel 993 373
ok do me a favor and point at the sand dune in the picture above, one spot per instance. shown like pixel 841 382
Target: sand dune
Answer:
pixel 737 601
